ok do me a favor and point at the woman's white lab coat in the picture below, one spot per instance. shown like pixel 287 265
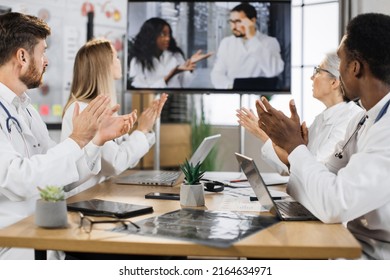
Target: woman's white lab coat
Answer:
pixel 116 156
pixel 143 78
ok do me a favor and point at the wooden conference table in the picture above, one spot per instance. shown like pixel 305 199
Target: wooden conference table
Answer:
pixel 284 240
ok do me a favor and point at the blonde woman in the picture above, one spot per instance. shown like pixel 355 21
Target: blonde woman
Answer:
pixel 95 70
pixel 327 129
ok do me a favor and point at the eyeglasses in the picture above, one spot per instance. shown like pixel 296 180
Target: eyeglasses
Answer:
pixel 318 69
pixel 86 223
pixel 235 21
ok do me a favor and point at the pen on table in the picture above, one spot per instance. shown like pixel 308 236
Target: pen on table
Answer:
pixel 238 181
pixel 254 198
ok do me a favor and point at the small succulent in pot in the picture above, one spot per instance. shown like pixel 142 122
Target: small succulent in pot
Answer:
pixel 52 193
pixel 193 174
pixel 51 210
pixel 191 191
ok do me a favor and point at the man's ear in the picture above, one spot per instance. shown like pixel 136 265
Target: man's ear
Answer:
pixel 357 68
pixel 21 55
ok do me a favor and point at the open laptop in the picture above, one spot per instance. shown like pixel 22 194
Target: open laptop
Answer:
pixel 169 178
pixel 286 210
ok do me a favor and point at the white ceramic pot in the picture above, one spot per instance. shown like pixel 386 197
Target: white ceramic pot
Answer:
pixel 50 214
pixel 192 195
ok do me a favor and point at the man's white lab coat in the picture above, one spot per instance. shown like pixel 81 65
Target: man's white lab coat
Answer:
pixel 239 58
pixel 31 159
pixel 327 129
pixel 354 189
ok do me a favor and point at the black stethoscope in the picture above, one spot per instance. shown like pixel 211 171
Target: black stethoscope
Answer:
pixel 10 119
pixel 382 112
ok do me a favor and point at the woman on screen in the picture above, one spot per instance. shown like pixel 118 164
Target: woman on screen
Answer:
pixel 95 70
pixel 327 129
pixel 155 59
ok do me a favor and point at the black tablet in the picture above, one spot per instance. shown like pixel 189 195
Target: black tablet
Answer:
pixel 98 207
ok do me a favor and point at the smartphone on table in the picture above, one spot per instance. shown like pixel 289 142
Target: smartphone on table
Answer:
pixel 166 196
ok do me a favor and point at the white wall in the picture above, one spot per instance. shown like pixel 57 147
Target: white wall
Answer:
pixel 230 144
pixel 367 6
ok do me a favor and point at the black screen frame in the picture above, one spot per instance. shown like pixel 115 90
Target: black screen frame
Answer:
pixel 281 22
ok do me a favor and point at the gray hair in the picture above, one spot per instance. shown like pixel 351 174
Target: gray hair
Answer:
pixel 332 63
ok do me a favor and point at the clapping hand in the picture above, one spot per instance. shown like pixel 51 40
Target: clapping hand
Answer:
pixel 149 116
pixel 284 131
pixel 249 120
pixel 112 127
pixel 86 123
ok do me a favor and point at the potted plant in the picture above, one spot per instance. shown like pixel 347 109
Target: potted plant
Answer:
pixel 51 211
pixel 191 191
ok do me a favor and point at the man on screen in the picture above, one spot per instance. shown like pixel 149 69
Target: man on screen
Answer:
pixel 247 53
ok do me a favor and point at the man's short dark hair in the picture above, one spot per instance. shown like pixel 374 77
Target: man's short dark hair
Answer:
pixel 20 31
pixel 368 39
pixel 248 10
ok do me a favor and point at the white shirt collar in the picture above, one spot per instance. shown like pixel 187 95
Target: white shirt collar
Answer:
pixel 11 98
pixel 374 111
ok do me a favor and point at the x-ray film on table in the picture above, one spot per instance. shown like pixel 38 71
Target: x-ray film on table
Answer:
pixel 212 228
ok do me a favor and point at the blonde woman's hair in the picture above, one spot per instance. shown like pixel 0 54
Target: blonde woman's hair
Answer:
pixel 92 72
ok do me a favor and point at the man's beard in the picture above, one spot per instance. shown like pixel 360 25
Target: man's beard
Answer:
pixel 32 79
pixel 344 93
pixel 238 34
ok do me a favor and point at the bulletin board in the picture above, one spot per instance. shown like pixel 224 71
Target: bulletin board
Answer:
pixel 68 22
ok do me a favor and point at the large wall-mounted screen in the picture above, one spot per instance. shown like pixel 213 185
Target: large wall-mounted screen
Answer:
pixel 209 46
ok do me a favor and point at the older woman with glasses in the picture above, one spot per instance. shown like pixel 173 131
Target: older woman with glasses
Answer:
pixel 327 129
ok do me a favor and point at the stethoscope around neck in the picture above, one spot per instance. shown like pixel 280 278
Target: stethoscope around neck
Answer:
pixel 382 112
pixel 12 120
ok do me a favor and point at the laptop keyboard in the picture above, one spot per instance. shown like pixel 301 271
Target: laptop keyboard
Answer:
pixel 293 208
pixel 160 177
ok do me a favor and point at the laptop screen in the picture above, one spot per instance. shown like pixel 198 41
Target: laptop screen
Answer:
pixel 248 166
pixel 201 152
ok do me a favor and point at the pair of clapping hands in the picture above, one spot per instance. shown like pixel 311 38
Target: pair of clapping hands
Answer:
pixel 99 123
pixel 286 133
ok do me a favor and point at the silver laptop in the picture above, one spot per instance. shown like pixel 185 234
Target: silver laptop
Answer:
pixel 169 178
pixel 286 210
